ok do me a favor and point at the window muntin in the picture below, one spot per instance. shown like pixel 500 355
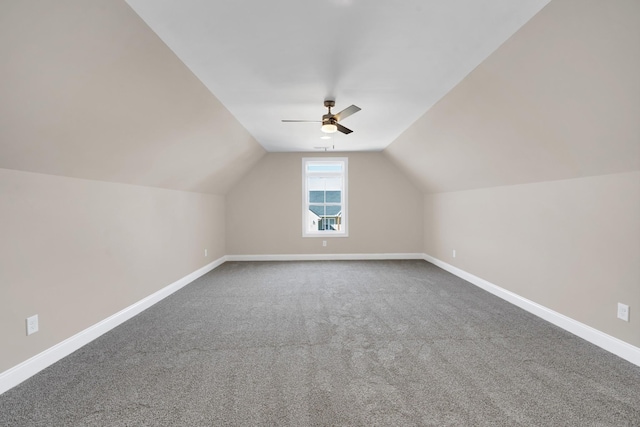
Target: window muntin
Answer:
pixel 324 210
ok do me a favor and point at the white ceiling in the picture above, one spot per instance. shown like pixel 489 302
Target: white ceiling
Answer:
pixel 268 61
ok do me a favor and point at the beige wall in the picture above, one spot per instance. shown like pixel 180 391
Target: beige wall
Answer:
pixel 87 90
pixel 560 99
pixel 530 165
pixel 77 251
pixel 264 210
pixel 572 245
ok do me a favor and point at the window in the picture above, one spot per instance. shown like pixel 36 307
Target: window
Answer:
pixel 324 198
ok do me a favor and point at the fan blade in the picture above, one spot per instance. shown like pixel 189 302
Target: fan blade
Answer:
pixel 343 129
pixel 346 112
pixel 302 121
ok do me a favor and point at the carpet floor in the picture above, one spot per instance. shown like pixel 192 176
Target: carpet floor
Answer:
pixel 331 343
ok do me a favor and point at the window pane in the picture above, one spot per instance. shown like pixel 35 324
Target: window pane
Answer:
pixel 324 167
pixel 316 183
pixel 316 196
pixel 324 183
pixel 331 183
pixel 332 210
pixel 333 196
pixel 317 210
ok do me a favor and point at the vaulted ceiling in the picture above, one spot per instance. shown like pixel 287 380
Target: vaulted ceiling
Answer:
pixel 268 61
pixel 190 95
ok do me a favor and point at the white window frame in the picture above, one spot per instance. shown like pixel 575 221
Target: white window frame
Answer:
pixel 306 232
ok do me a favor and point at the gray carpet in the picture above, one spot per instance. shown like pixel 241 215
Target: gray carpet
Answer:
pixel 354 343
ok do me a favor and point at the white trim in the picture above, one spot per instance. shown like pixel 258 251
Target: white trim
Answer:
pixel 324 257
pixel 14 376
pixel 17 374
pixel 614 345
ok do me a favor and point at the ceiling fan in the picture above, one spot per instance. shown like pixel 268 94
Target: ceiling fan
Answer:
pixel 330 121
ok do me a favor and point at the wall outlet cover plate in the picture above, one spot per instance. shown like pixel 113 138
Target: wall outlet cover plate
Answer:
pixel 623 312
pixel 32 324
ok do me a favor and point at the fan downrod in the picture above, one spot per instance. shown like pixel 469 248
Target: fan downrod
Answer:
pixel 329 103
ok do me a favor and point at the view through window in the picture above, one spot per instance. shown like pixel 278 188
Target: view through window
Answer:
pixel 325 196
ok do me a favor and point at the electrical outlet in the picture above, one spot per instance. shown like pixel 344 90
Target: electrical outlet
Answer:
pixel 32 324
pixel 324 243
pixel 623 312
pixel 454 253
pixel 205 252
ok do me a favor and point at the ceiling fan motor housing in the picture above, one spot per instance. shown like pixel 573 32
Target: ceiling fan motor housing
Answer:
pixel 329 119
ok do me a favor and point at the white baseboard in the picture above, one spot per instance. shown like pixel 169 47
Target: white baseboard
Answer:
pixel 14 376
pixel 594 336
pixel 324 257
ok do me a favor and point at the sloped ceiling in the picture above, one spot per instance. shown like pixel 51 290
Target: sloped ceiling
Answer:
pixel 87 90
pixel 274 60
pixel 560 99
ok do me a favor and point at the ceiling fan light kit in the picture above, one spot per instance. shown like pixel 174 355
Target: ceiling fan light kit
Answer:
pixel 329 128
